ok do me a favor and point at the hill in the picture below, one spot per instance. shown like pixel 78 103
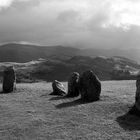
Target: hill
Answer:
pixel 106 68
pixel 127 53
pixel 31 113
pixel 24 52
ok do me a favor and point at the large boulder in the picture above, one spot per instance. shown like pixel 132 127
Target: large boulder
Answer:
pixel 58 88
pixel 89 86
pixel 135 110
pixel 9 79
pixel 73 89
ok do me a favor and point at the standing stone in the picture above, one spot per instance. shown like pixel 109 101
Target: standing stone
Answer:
pixel 89 86
pixel 58 88
pixel 9 78
pixel 73 89
pixel 135 110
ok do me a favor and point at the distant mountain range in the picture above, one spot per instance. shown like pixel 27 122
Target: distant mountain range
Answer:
pixel 25 53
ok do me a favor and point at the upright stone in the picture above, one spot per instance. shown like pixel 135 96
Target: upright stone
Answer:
pixel 135 110
pixel 73 89
pixel 89 86
pixel 9 79
pixel 58 88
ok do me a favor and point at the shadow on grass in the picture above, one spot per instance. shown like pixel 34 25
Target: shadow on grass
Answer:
pixel 2 92
pixel 129 122
pixel 72 103
pixel 43 95
pixel 58 98
pixel 52 94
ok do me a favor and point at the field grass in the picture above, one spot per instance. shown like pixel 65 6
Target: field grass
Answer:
pixel 31 113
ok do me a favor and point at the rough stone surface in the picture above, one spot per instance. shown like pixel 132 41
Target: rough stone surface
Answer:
pixel 9 79
pixel 73 89
pixel 137 96
pixel 89 86
pixel 135 110
pixel 58 88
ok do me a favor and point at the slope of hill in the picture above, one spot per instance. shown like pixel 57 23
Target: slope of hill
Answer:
pixel 24 52
pixel 128 53
pixel 30 113
pixel 106 68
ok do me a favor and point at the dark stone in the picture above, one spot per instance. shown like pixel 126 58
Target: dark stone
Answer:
pixel 137 96
pixel 9 78
pixel 58 88
pixel 73 89
pixel 89 86
pixel 135 110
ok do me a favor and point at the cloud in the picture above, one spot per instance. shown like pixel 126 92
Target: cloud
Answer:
pixel 124 13
pixel 5 3
pixel 20 4
pixel 102 23
pixel 68 16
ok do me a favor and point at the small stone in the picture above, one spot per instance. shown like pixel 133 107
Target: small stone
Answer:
pixel 9 78
pixel 58 88
pixel 73 87
pixel 89 86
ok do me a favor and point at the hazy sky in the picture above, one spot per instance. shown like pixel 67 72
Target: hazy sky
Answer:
pixel 85 23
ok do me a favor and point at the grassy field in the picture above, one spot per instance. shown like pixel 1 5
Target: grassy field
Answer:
pixel 31 113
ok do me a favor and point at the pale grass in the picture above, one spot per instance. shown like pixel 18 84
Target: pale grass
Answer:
pixel 30 113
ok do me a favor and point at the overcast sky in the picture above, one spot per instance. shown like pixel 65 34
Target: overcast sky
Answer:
pixel 84 23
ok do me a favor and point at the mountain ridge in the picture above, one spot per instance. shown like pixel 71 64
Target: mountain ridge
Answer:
pixel 15 52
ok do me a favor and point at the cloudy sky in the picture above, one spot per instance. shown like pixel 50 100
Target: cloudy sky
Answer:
pixel 80 23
